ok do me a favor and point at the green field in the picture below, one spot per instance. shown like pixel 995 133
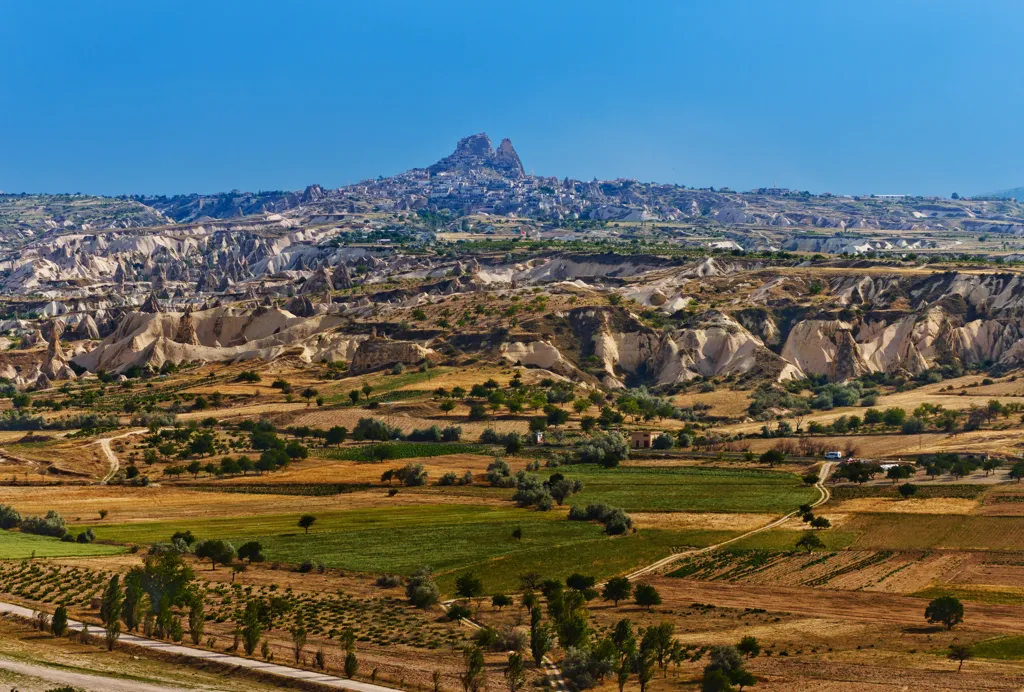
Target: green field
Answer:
pixel 18 546
pixel 449 538
pixel 685 489
pixel 399 450
pixel 1000 648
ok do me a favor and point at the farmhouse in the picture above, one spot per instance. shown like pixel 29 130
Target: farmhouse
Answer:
pixel 642 439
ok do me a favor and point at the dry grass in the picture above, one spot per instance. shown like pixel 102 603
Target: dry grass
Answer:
pixel 699 520
pixel 937 505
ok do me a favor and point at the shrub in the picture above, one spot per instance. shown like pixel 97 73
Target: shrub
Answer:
pixel 9 517
pixel 421 589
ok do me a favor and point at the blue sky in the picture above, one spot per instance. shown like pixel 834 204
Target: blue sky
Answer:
pixel 848 97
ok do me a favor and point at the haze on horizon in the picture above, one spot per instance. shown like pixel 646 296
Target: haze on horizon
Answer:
pixel 852 97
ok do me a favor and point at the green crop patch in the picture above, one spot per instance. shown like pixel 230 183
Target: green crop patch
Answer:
pixel 648 489
pixel 19 546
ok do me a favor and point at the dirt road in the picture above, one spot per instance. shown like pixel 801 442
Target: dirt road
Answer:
pixel 214 656
pixel 104 444
pixel 83 681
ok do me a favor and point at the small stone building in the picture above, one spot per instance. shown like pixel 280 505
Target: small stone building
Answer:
pixel 642 439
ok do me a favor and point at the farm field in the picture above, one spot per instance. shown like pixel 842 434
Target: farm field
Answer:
pixel 689 489
pixel 20 546
pixel 449 539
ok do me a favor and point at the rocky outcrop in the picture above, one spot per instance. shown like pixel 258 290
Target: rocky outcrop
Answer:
pixel 374 354
pixel 475 154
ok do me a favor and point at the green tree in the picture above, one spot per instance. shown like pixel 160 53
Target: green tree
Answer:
pixel 305 521
pixel 810 541
pixel 251 624
pixel 216 550
pixel 472 677
pixel 351 664
pixel 111 605
pixel 131 614
pixel 749 647
pixel 251 551
pixel 947 610
pixel 617 589
pixel 540 637
pixel 196 616
pixel 468 585
pixel 59 624
pixel 515 672
pixel 773 457
pixel 646 596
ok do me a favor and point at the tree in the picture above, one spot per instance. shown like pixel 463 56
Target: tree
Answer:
pixel 907 490
pixel 540 637
pixel 947 610
pixel 251 625
pixel 111 605
pixel 131 613
pixel 447 406
pixel 517 533
pixel 251 551
pixel 500 600
pixel 194 468
pixel 820 523
pixel 351 664
pixel 59 624
pixel 646 596
pixel 773 457
pixel 810 541
pixel 961 653
pixel 894 417
pixel 336 435
pixel 305 521
pixel 166 581
pixel 515 672
pixel 299 635
pixel 749 647
pixel 367 389
pixel 472 678
pixel 308 394
pixel 215 550
pixel 468 585
pixel 899 472
pixel 354 396
pixel 196 616
pixel 617 589
pixel 658 639
pixel 421 589
pixel 1017 471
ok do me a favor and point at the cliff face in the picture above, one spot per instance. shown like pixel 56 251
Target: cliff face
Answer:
pixel 374 354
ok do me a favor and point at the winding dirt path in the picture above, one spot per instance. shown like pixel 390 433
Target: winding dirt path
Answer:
pixel 108 451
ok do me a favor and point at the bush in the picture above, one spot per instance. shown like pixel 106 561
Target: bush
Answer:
pixel 9 517
pixel 615 520
pixel 421 589
pixel 52 524
pixel 606 449
pixel 664 441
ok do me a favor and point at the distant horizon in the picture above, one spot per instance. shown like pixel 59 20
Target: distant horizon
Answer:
pixel 848 98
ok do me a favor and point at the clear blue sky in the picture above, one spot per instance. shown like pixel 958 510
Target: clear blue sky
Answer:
pixel 853 97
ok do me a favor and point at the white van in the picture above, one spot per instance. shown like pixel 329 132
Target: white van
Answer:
pixel 833 455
